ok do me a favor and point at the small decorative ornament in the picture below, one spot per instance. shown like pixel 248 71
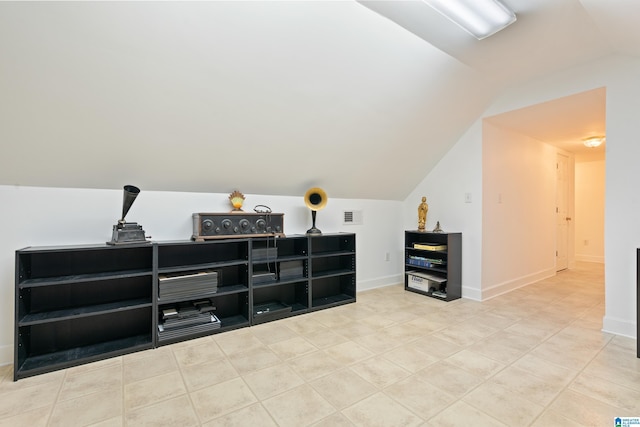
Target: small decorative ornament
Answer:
pixel 438 229
pixel 423 208
pixel 237 199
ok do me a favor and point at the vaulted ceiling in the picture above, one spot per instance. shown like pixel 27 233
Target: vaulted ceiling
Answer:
pixel 269 97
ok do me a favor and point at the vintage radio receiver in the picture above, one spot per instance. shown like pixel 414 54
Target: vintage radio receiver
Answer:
pixel 237 224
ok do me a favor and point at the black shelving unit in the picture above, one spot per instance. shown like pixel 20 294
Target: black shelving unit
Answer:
pixel 78 304
pixel 224 288
pixel 433 264
pixel 333 270
pixel 280 278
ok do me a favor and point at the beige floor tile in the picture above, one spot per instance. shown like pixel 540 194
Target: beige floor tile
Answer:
pixel 330 319
pixel 502 404
pixel 254 360
pixel 380 410
pixel 463 414
pixel 35 418
pixel 334 420
pixel 441 349
pixel 88 409
pixel 608 392
pixel 354 330
pixel 92 381
pixel 405 332
pixel 347 353
pixel 424 325
pixel 110 422
pixel 343 388
pixel 207 374
pixel 534 327
pixel 419 397
pixel 324 338
pixel 616 373
pixel 297 407
pixel 222 399
pixel 273 332
pixel 197 354
pixel 380 372
pixel 304 324
pixel 410 358
pixel 239 341
pixel 553 419
pixel 292 347
pixel 475 363
pixel 273 380
pixel 100 364
pixel 252 415
pixel 151 390
pixel 498 348
pixel 378 342
pixel 17 398
pixel 561 352
pixel 450 378
pixel 545 370
pixel 313 365
pixel 585 410
pixel 528 386
pixel 169 413
pixel 158 361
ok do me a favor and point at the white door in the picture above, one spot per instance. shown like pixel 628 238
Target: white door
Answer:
pixel 562 212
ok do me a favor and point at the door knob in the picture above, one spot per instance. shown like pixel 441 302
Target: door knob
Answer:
pixel 568 218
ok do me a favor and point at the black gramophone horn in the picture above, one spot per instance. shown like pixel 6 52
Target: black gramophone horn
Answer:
pixel 315 198
pixel 130 194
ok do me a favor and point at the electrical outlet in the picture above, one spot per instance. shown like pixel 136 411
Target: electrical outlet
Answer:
pixel 467 197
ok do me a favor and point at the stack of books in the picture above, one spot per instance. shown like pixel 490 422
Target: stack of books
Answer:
pixel 187 318
pixel 262 254
pixel 187 284
pixel 425 262
pixel 430 246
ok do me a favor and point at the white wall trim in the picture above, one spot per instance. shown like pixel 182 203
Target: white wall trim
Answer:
pixel 474 294
pixel 590 258
pixel 379 282
pixel 510 285
pixel 617 326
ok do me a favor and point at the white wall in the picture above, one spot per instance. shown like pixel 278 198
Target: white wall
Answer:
pixel 518 210
pixel 34 216
pixel 589 216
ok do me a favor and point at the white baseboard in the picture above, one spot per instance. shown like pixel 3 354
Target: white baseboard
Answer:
pixel 514 284
pixel 472 293
pixel 619 327
pixel 590 258
pixel 379 282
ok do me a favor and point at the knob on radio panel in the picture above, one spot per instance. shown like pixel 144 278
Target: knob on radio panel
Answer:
pixel 237 224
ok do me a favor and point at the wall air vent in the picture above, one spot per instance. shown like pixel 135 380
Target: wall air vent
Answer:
pixel 352 217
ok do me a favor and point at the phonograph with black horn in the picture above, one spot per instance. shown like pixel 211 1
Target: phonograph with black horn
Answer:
pixel 316 199
pixel 127 232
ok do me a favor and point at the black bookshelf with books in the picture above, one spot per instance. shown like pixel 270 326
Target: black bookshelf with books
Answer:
pixel 433 264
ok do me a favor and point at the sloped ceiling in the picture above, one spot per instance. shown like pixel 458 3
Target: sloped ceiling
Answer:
pixel 360 98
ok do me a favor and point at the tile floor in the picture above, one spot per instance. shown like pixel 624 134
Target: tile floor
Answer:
pixel 535 356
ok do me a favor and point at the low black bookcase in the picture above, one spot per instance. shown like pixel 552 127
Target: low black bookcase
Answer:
pixel 79 304
pixel 433 264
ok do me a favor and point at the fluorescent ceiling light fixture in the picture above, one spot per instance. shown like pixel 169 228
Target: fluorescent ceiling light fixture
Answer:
pixel 594 141
pixel 480 18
